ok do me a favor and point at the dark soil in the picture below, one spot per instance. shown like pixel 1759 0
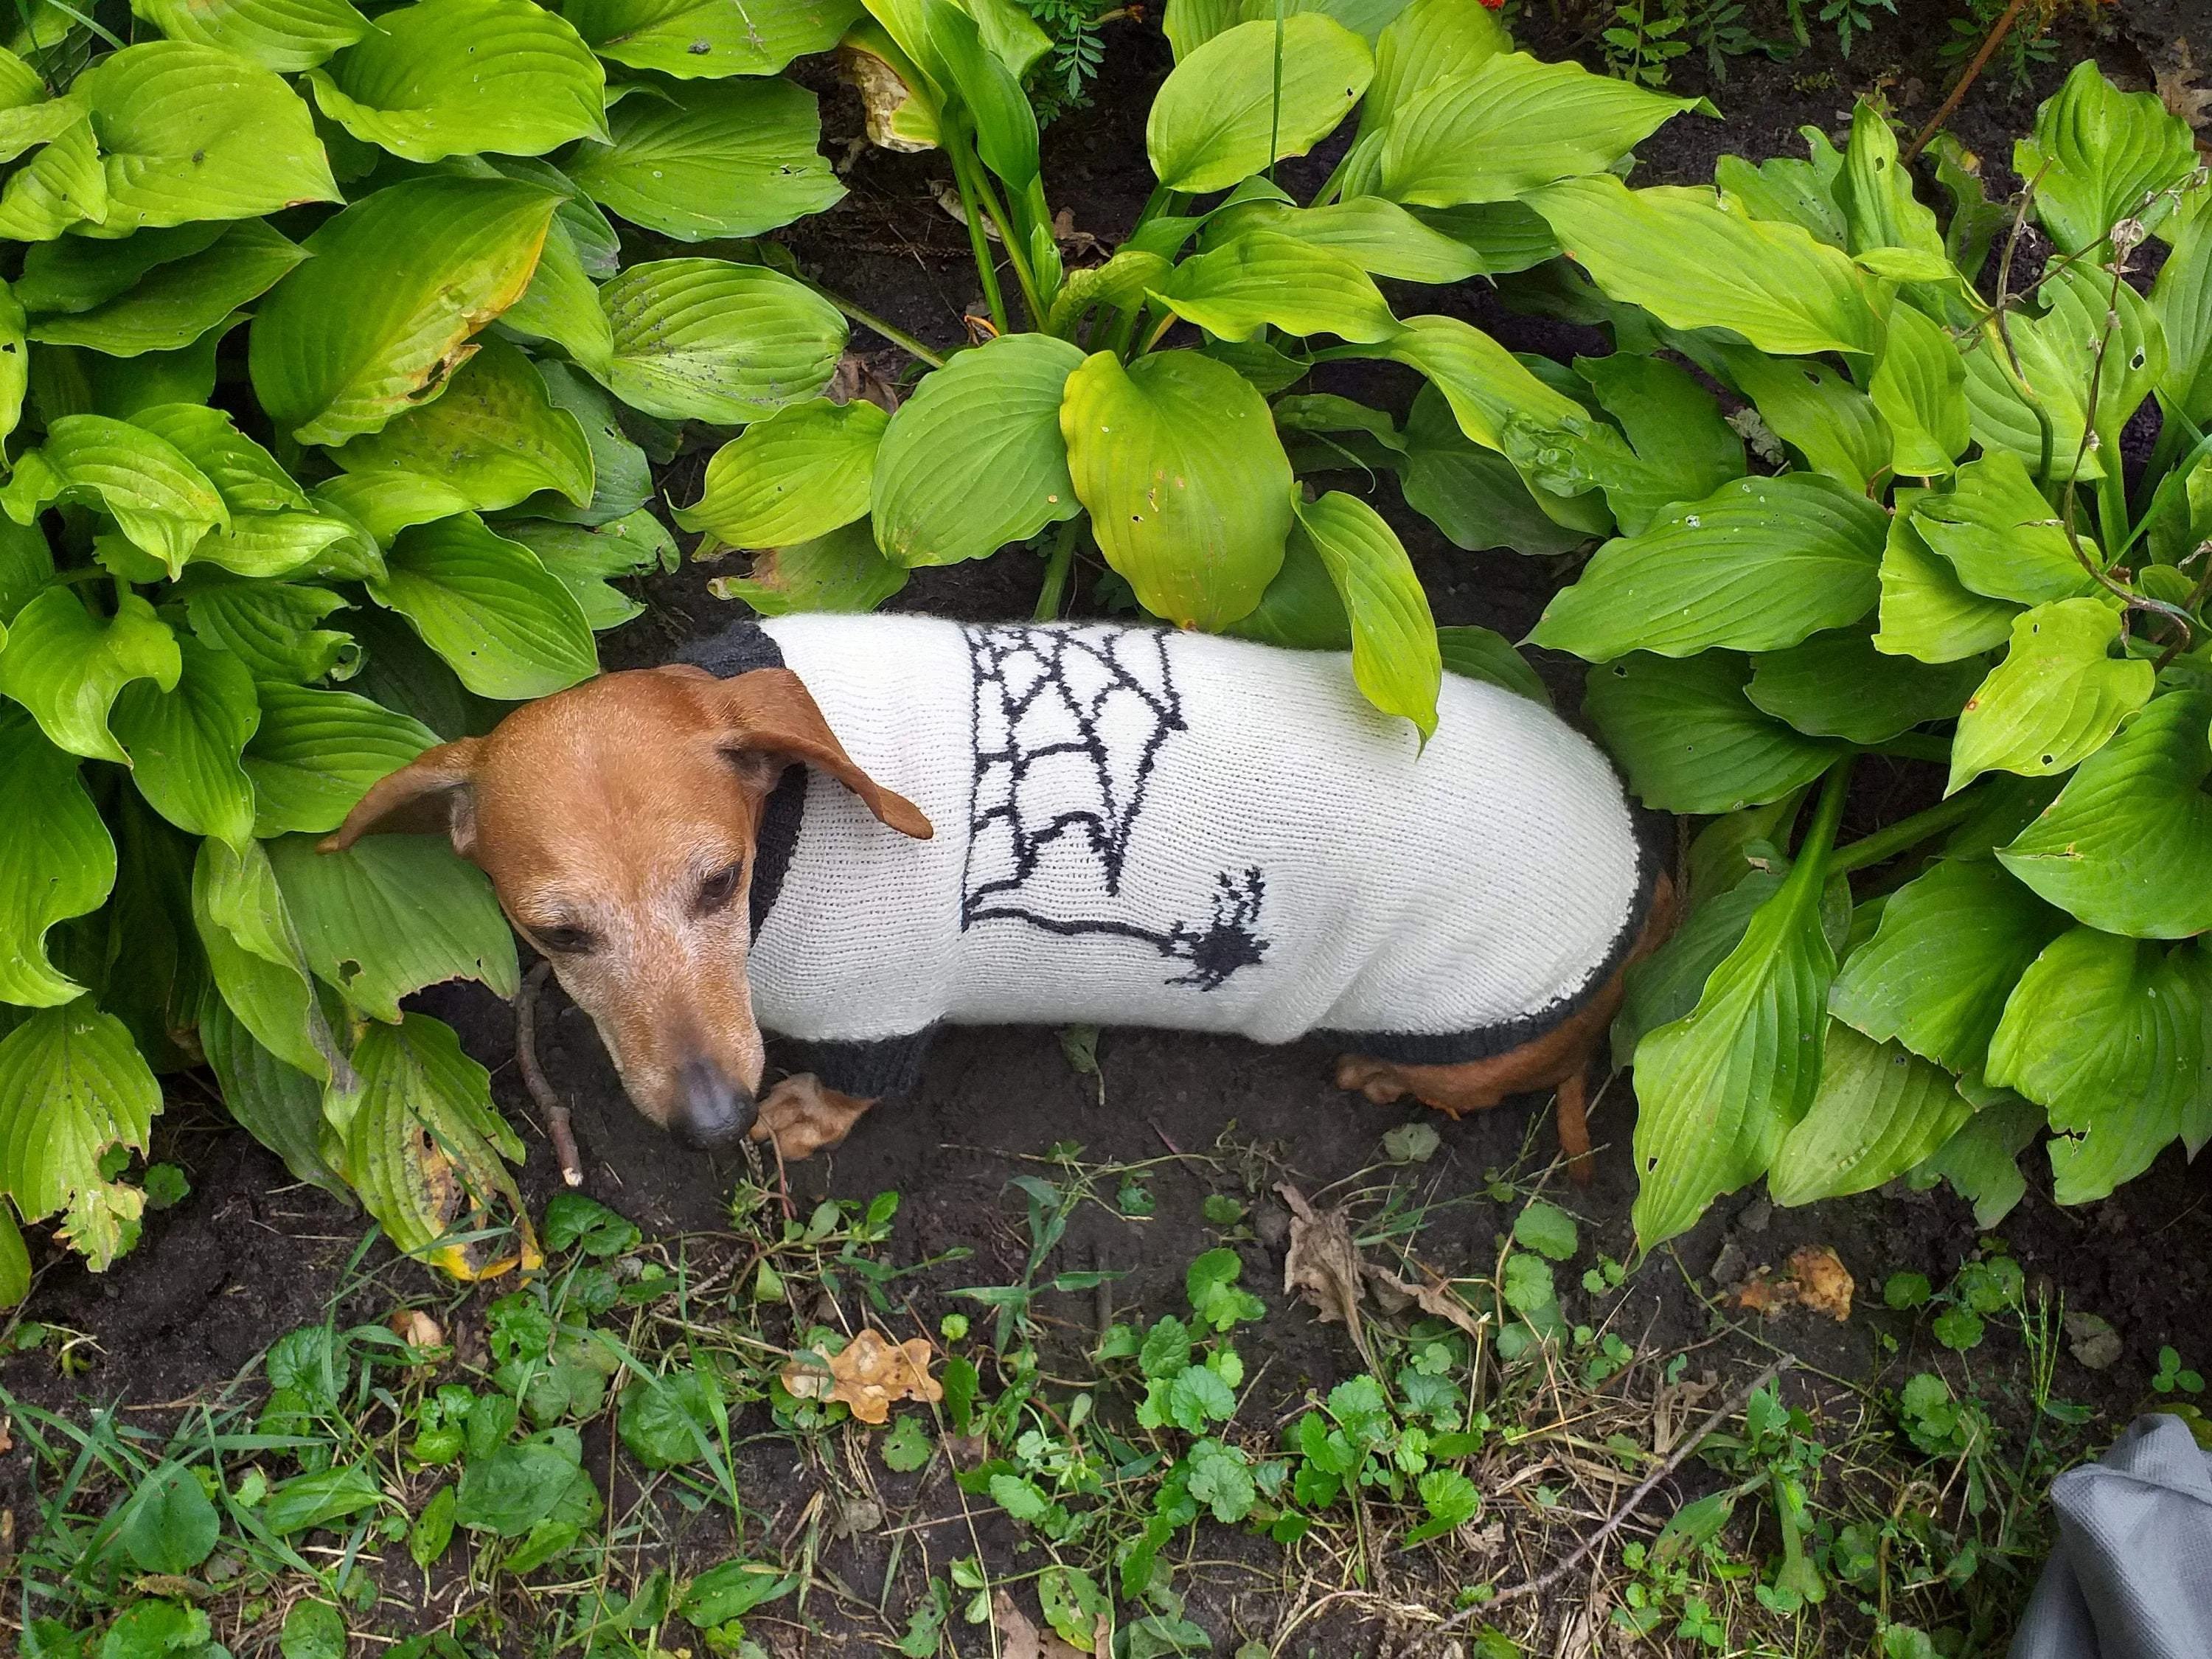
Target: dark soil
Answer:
pixel 250 1254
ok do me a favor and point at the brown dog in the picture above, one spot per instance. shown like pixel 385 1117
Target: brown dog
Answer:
pixel 644 830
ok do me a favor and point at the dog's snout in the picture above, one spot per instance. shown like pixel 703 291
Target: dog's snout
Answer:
pixel 711 1108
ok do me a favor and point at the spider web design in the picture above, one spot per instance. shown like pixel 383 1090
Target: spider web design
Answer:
pixel 1068 728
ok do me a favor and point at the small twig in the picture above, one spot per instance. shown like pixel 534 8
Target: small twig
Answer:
pixel 1997 33
pixel 526 1055
pixel 1720 1415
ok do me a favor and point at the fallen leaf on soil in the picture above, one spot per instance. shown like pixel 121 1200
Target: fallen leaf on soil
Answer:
pixel 1435 1297
pixel 2193 104
pixel 867 1376
pixel 1071 240
pixel 1322 1265
pixel 2092 1341
pixel 857 377
pixel 417 1329
pixel 1814 1279
pixel 1020 1639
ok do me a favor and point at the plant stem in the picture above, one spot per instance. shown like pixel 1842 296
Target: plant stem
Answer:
pixel 2112 494
pixel 1017 255
pixel 1980 61
pixel 1821 838
pixel 875 324
pixel 987 264
pixel 1905 833
pixel 1052 597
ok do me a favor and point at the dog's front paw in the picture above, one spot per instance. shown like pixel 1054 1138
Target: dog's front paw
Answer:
pixel 1378 1079
pixel 803 1117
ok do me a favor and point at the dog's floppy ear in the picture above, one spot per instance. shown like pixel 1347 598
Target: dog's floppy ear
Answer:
pixel 769 712
pixel 429 795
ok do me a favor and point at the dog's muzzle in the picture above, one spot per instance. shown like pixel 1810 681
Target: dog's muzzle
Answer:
pixel 713 1111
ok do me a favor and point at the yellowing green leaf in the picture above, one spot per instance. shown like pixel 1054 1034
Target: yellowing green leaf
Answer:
pixel 66 665
pixel 799 474
pixel 1920 388
pixel 703 339
pixel 72 1086
pixel 1221 115
pixel 63 185
pixel 1926 611
pixel 2056 698
pixel 841 571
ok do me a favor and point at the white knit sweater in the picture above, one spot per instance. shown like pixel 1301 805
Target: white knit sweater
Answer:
pixel 1137 827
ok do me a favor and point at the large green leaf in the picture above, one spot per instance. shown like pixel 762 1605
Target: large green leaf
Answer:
pixel 703 339
pixel 500 620
pixel 1487 388
pixel 1982 1160
pixel 712 158
pixel 581 557
pixel 1762 564
pixel 392 914
pixel 379 317
pixel 1263 278
pixel 710 38
pixel 1395 658
pixel 63 185
pixel 184 742
pixel 1234 106
pixel 562 303
pixel 1378 236
pixel 57 860
pixel 280 1105
pixel 1475 496
pixel 2127 844
pixel 279 545
pixel 160 499
pixel 66 665
pixel 451 77
pixel 247 477
pixel 72 1086
pixel 1836 684
pixel 797 475
pixel 26 565
pixel 494 436
pixel 2056 698
pixel 2182 297
pixel 315 754
pixel 1513 124
pixel 1693 264
pixel 1926 611
pixel 2083 302
pixel 191 133
pixel 2098 155
pixel 1875 192
pixel 2056 368
pixel 1790 192
pixel 284 35
pixel 1835 426
pixel 1717 1090
pixel 1950 946
pixel 622 477
pixel 1685 448
pixel 270 627
pixel 385 503
pixel 1189 488
pixel 1880 1111
pixel 2107 1035
pixel 1429 42
pixel 78 273
pixel 841 571
pixel 2000 534
pixel 255 958
pixel 1691 741
pixel 1920 388
pixel 1006 126
pixel 178 301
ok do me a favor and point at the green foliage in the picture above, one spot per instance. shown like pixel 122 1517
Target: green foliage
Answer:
pixel 387 244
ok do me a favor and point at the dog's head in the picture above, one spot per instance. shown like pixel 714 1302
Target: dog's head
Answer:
pixel 617 822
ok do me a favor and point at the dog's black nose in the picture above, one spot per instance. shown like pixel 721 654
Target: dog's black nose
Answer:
pixel 712 1109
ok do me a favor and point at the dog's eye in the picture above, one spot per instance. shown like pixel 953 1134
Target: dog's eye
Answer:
pixel 565 941
pixel 719 889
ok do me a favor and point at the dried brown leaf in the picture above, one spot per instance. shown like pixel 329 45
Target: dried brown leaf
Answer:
pixel 1020 1639
pixel 2177 90
pixel 1435 1298
pixel 1322 1265
pixel 1814 1279
pixel 868 1374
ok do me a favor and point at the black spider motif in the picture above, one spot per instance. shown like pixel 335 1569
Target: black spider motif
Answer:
pixel 1069 724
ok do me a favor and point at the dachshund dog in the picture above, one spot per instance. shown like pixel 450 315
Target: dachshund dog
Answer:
pixel 851 830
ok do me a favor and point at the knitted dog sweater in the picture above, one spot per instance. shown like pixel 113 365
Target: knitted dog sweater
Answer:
pixel 1139 827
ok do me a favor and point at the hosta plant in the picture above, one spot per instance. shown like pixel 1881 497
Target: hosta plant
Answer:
pixel 328 396
pixel 1934 554
pixel 1147 408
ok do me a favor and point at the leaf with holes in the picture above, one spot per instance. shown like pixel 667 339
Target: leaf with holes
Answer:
pixel 72 1086
pixel 704 339
pixel 2055 700
pixel 493 435
pixel 1691 741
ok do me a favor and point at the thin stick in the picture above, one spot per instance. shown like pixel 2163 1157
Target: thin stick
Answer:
pixel 1735 1403
pixel 526 1055
pixel 1997 33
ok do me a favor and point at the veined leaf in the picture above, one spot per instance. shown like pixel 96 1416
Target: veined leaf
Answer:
pixel 2125 846
pixel 1512 125
pixel 255 958
pixel 66 666
pixel 1301 611
pixel 712 158
pixel 1691 741
pixel 280 1105
pixel 316 753
pixel 1222 114
pixel 494 436
pixel 1762 564
pixel 26 565
pixel 451 77
pixel 72 1084
pixel 796 476
pixel 1006 126
pixel 1483 654
pixel 1428 42
pixel 1836 426
pixel 25 126
pixel 582 556
pixel 63 185
pixel 1920 388
pixel 562 303
pixel 1261 278
pixel 191 133
pixel 385 503
pixel 184 742
pixel 56 861
pixel 271 628
pixel 1880 1111
pixel 374 322
pixel 1875 192
pixel 1477 497
pixel 1378 236
pixel 1926 611
pixel 2182 298
pixel 1121 282
pixel 160 499
pixel 1394 657
pixel 2080 301
pixel 1836 684
pixel 622 479
pixel 276 544
pixel 1686 450
pixel 1485 385
pixel 703 339
pixel 178 301
pixel 1950 946
pixel 1693 264
pixel 2056 698
pixel 1189 488
pixel 78 273
pixel 2000 534
pixel 1981 1161
pixel 247 476
pixel 1790 192
pixel 2057 369
pixel 2107 1035
pixel 392 914
pixel 284 35
pixel 2098 155
pixel 503 622
pixel 841 571
pixel 710 38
